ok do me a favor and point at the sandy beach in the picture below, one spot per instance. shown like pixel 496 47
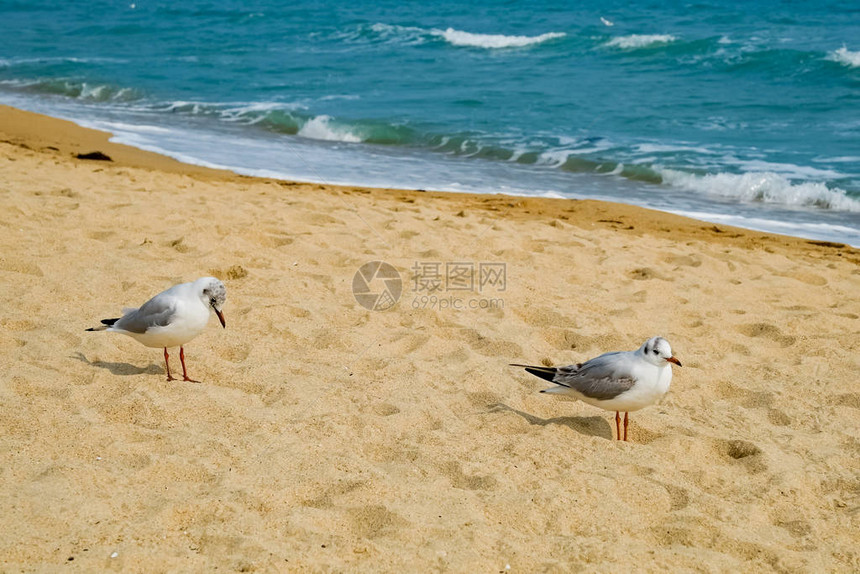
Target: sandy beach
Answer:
pixel 326 437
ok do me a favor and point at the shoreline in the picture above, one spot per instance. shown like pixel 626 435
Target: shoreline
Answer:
pixel 63 137
pixel 328 437
pixel 258 155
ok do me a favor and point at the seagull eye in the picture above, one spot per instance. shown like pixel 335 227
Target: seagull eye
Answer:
pixel 212 301
pixel 654 351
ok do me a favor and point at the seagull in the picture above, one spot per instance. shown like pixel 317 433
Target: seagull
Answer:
pixel 621 381
pixel 607 22
pixel 172 318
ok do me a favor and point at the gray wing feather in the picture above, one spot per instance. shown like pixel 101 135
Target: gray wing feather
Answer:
pixel 157 312
pixel 600 378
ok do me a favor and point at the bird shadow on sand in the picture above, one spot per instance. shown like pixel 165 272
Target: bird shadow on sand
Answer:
pixel 591 426
pixel 124 369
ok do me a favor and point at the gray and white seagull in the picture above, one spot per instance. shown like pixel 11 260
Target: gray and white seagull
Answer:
pixel 172 318
pixel 621 381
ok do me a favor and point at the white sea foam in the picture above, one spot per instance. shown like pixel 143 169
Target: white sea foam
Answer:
pixel 97 92
pixel 765 187
pixel 845 57
pixel 493 41
pixel 343 97
pixel 787 170
pixel 553 158
pixel 252 112
pixel 640 41
pixel 812 230
pixel 115 126
pixel 840 159
pixel 261 106
pixel 668 148
pixel 409 35
pixel 323 128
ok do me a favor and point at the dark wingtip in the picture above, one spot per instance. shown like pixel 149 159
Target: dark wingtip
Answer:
pixel 546 373
pixel 109 322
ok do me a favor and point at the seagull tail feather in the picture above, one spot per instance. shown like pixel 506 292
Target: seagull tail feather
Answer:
pixel 546 373
pixel 105 324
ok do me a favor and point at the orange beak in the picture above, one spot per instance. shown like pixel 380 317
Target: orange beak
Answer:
pixel 223 324
pixel 674 360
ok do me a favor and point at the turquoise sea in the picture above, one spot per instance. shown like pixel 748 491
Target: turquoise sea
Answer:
pixel 746 113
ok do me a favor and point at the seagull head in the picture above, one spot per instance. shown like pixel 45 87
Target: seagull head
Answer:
pixel 656 350
pixel 213 293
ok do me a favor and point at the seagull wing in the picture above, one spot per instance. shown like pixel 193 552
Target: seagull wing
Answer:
pixel 157 312
pixel 602 378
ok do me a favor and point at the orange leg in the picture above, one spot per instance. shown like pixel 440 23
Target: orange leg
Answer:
pixel 184 372
pixel 625 425
pixel 167 362
pixel 618 425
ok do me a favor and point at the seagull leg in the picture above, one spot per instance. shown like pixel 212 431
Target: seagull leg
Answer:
pixel 184 372
pixel 618 426
pixel 625 425
pixel 167 362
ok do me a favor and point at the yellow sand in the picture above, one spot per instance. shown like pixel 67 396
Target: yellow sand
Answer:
pixel 329 438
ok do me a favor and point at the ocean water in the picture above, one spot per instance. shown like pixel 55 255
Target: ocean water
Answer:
pixel 745 113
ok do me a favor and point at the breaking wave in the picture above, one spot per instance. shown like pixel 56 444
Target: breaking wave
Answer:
pixel 635 41
pixel 764 187
pixel 493 41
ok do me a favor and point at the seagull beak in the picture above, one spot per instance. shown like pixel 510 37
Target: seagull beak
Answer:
pixel 221 318
pixel 674 360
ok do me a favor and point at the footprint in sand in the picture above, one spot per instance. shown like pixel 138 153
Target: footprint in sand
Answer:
pixel 275 240
pixel 743 452
pixel 406 343
pixel 752 400
pixel 488 346
pixel 851 400
pixel 232 273
pixel 683 260
pixel 236 353
pixel 179 245
pixel 679 497
pixel 326 499
pixel 459 479
pixel 18 324
pixel 484 399
pixel 766 331
pixel 646 273
pixel 321 220
pixel 796 528
pixel 375 520
pixel 100 235
pixel 808 278
pixel 385 409
pixel 135 408
pixel 19 266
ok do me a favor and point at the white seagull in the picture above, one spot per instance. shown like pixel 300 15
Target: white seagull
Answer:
pixel 621 381
pixel 172 318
